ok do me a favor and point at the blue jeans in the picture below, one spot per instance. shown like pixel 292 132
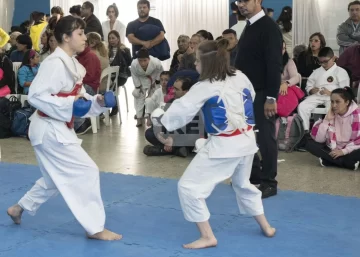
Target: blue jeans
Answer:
pixel 79 121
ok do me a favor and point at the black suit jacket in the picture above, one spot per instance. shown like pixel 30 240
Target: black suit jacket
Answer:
pixel 93 25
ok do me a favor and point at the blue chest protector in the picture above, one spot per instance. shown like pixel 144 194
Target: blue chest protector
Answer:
pixel 214 112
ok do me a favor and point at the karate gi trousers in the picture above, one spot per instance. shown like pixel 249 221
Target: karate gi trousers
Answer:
pixel 204 173
pixel 309 104
pixel 68 170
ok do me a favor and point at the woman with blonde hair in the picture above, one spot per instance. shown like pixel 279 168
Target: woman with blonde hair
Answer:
pixel 99 48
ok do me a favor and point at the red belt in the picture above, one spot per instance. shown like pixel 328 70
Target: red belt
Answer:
pixel 236 132
pixel 70 124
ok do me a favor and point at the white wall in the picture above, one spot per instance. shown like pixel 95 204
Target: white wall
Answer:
pixel 333 13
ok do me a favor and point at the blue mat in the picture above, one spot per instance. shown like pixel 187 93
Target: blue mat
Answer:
pixel 147 212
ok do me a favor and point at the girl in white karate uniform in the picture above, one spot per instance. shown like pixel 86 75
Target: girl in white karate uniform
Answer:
pixel 66 168
pixel 226 99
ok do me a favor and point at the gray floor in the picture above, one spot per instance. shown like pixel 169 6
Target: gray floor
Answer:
pixel 118 148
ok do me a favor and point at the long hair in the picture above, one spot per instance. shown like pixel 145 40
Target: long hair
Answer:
pixel 95 38
pixel 285 18
pixel 46 48
pixel 285 58
pixel 119 46
pixel 215 60
pixel 309 51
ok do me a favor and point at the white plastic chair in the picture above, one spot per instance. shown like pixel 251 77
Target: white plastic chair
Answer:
pixel 95 122
pixel 16 66
pixel 117 91
pixel 107 72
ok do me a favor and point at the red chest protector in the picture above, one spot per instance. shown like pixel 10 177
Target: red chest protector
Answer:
pixel 75 91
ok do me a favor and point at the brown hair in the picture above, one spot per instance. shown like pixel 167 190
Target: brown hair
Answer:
pixel 95 38
pixel 116 10
pixel 215 60
pixel 119 47
pixel 309 53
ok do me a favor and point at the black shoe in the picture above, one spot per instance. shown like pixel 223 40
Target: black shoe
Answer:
pixel 182 152
pixel 267 191
pixel 85 127
pixel 114 111
pixel 151 150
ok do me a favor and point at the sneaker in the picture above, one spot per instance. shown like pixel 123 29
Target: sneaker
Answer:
pixel 151 150
pixel 356 166
pixel 182 152
pixel 321 162
pixel 114 111
pixel 85 127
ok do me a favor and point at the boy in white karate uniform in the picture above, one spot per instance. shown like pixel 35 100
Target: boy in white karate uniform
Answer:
pixel 157 99
pixel 226 99
pixel 320 84
pixel 65 166
pixel 145 72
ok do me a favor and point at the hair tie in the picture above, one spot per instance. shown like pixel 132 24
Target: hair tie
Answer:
pixel 32 54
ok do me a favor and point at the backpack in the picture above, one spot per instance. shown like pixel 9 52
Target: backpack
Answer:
pixel 21 122
pixel 289 132
pixel 5 126
pixel 14 104
pixel 9 75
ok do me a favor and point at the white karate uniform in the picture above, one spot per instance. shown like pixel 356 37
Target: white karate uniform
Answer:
pixel 154 102
pixel 65 166
pixel 146 81
pixel 118 26
pixel 220 157
pixel 321 78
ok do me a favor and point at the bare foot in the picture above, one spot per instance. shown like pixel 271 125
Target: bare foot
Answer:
pixel 106 235
pixel 15 213
pixel 269 232
pixel 202 243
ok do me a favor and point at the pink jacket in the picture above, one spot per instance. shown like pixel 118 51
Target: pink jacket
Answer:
pixel 290 73
pixel 340 132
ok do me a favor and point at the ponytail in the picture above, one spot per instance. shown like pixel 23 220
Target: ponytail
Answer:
pixel 222 47
pixel 215 60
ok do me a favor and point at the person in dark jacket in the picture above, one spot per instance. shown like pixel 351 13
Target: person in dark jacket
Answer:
pixel 119 55
pixel 231 36
pixel 259 57
pixel 183 139
pixel 183 44
pixel 92 22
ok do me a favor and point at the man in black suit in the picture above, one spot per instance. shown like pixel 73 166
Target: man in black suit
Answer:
pixel 92 22
pixel 259 57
